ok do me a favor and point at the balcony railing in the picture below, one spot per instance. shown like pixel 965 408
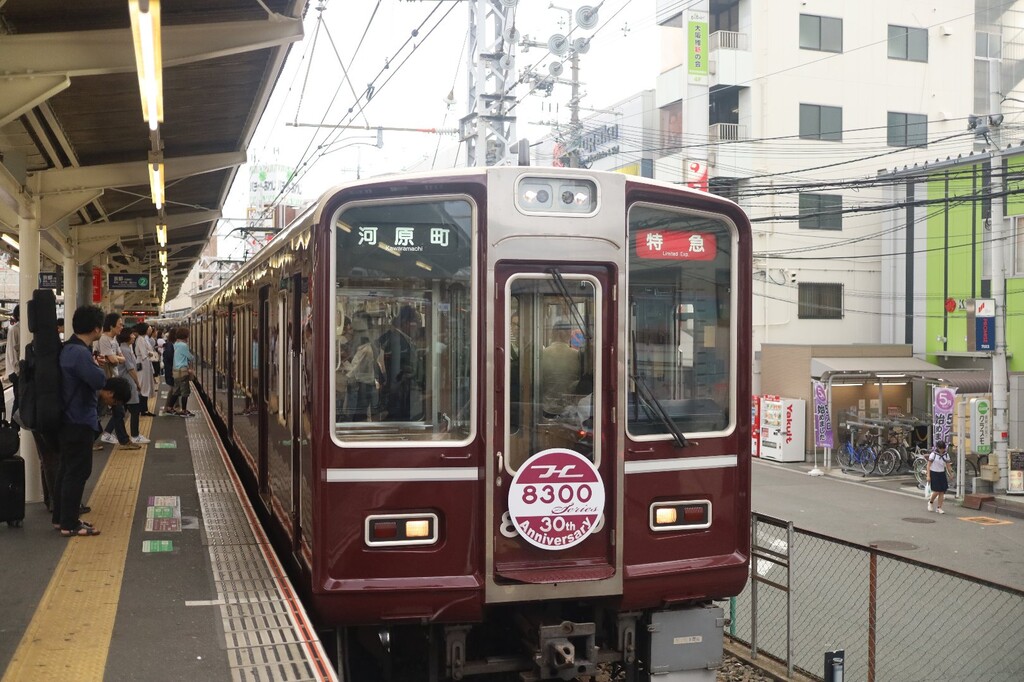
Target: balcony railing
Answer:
pixel 726 132
pixel 729 40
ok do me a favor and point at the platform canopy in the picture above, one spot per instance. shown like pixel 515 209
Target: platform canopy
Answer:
pixel 72 129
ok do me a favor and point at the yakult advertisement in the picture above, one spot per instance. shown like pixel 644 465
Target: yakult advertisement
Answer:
pixel 782 429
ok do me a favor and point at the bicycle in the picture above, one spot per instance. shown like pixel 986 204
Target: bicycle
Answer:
pixel 862 456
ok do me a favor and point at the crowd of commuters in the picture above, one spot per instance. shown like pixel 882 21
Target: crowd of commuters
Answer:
pixel 106 368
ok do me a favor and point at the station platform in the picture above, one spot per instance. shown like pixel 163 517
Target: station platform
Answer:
pixel 180 584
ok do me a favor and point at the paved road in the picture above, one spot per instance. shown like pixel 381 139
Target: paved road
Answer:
pixel 885 511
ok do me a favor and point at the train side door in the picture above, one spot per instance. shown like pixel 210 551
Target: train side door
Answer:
pixel 263 353
pixel 553 482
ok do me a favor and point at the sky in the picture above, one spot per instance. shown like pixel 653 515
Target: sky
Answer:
pixel 412 78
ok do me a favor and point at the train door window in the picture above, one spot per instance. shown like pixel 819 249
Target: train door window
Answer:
pixel 682 333
pixel 284 349
pixel 272 378
pixel 553 342
pixel 404 344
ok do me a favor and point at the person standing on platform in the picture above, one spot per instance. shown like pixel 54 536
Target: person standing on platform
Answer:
pixel 143 350
pixel 183 360
pixel 13 355
pixel 83 385
pixel 154 360
pixel 115 432
pixel 130 371
pixel 938 467
pixel 167 357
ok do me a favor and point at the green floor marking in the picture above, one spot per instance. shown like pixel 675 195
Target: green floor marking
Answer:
pixel 154 546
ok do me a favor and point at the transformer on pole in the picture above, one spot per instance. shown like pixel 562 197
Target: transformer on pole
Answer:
pixel 487 129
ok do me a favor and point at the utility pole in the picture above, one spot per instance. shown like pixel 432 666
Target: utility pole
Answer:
pixel 558 44
pixel 1000 389
pixel 487 129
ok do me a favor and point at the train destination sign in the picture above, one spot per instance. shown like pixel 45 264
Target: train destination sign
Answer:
pixel 123 281
pixel 675 245
pixel 556 499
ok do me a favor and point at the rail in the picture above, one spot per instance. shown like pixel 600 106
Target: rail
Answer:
pixel 726 132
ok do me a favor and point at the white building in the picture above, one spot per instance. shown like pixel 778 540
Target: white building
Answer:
pixel 793 106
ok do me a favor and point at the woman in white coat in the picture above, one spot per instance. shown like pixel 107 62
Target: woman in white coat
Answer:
pixel 143 352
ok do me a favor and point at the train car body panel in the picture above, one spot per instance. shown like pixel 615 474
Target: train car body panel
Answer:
pixel 496 391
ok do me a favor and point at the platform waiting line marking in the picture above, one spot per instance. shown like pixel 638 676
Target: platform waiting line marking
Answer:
pixel 69 636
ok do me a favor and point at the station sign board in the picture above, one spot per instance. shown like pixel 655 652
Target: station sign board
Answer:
pixel 123 281
pixel 49 280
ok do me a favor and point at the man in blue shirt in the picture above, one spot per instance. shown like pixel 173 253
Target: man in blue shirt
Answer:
pixel 83 384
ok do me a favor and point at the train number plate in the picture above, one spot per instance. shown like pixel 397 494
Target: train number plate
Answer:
pixel 556 499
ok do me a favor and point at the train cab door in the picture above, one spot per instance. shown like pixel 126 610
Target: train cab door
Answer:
pixel 554 477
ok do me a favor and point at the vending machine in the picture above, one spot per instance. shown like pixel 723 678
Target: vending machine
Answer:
pixel 782 428
pixel 755 426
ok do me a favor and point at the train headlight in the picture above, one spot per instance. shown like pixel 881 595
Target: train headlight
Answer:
pixel 393 530
pixel 556 195
pixel 680 515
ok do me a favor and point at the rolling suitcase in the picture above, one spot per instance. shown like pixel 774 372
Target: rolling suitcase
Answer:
pixel 12 490
pixel 12 471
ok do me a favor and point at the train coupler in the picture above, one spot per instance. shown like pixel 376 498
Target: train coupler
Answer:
pixel 567 650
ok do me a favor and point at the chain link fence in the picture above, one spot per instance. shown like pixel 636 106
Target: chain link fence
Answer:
pixel 896 618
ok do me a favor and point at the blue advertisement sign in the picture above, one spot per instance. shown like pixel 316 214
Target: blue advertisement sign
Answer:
pixel 985 333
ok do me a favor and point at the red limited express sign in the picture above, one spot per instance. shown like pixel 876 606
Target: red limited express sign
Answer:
pixel 675 245
pixel 556 499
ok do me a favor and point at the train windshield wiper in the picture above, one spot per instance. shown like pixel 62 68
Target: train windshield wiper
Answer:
pixel 659 410
pixel 570 303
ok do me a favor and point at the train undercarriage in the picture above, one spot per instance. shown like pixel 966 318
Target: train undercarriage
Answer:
pixel 538 643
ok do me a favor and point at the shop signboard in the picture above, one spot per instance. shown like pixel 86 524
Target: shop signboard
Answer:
pixel 943 398
pixel 1015 484
pixel 822 417
pixel 981 426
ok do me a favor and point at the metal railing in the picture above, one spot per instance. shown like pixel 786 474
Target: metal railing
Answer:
pixel 729 40
pixel 896 618
pixel 726 132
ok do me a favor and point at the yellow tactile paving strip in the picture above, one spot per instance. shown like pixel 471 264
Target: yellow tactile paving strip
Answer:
pixel 70 633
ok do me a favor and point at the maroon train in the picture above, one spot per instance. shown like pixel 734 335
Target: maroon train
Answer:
pixel 498 418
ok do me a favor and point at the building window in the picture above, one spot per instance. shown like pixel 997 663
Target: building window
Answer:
pixel 988 45
pixel 907 130
pixel 821 123
pixel 821 33
pixel 671 127
pixel 820 301
pixel 908 43
pixel 821 212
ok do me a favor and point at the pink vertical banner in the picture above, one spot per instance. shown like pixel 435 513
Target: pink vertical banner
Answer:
pixel 822 417
pixel 943 399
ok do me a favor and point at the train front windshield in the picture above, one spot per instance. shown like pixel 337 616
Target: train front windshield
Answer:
pixel 403 321
pixel 681 324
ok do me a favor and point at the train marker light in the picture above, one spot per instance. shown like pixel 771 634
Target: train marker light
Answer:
pixel 556 195
pixel 396 530
pixel 665 516
pixel 680 515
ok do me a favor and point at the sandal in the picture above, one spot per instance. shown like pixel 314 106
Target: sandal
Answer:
pixel 83 531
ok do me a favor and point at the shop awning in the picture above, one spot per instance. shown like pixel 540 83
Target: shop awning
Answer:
pixel 872 365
